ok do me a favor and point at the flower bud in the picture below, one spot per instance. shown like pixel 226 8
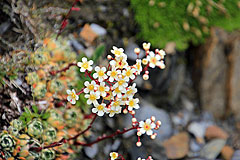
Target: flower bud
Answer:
pixel 145 77
pixel 139 144
pixel 137 51
pixel 145 61
pixel 109 57
pixel 146 46
pixel 153 118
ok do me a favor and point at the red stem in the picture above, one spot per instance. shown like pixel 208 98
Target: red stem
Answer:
pixel 118 132
pixel 53 73
pixel 64 22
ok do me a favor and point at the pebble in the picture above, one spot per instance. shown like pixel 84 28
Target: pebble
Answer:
pixel 129 51
pixel 212 149
pixel 215 132
pixel 236 155
pixel 92 151
pixel 177 146
pixel 198 130
pixel 227 152
pixel 99 30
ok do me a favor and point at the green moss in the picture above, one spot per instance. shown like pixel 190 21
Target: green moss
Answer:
pixel 163 21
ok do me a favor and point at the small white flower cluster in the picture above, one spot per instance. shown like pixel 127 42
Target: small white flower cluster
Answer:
pixel 111 89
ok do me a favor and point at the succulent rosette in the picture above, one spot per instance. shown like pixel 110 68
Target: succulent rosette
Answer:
pixel 32 78
pixel 47 154
pixel 7 142
pixel 56 119
pixel 40 58
pixel 71 116
pixel 55 85
pixel 35 128
pixel 40 90
pixel 49 134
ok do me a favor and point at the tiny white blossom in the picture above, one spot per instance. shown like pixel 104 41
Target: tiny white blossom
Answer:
pixel 89 86
pixel 138 66
pixel 113 74
pixel 100 73
pixel 72 96
pixel 117 92
pixel 146 127
pixel 146 46
pixel 154 59
pixel 102 89
pixel 92 98
pixel 131 90
pixel 117 51
pixel 119 62
pixel 129 73
pixel 114 110
pixel 99 109
pixel 121 83
pixel 162 53
pixel 132 104
pixel 113 155
pixel 85 65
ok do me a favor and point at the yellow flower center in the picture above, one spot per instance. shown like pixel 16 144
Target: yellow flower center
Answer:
pixel 121 82
pixel 131 103
pixel 85 65
pixel 114 156
pixel 101 89
pixel 100 107
pixel 117 52
pixel 91 87
pixel 129 92
pixel 146 127
pixel 116 103
pixel 128 73
pixel 101 73
pixel 73 95
pixel 117 90
pixel 138 66
pixel 113 73
pixel 92 97
pixel 153 60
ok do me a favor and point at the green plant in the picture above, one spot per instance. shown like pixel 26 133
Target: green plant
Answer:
pixel 163 21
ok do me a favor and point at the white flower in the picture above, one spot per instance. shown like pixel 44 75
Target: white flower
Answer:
pixel 89 86
pixel 99 109
pixel 121 83
pixel 146 127
pixel 119 62
pixel 138 66
pixel 162 53
pixel 146 46
pixel 102 89
pixel 113 74
pixel 154 59
pixel 118 92
pixel 129 73
pixel 117 51
pixel 100 73
pixel 113 155
pixel 117 103
pixel 114 110
pixel 72 97
pixel 132 104
pixel 85 65
pixel 92 98
pixel 131 90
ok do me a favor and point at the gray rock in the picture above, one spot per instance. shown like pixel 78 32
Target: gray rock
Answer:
pixel 236 155
pixel 116 144
pixel 212 149
pixel 89 51
pixel 129 51
pixel 98 29
pixel 198 128
pixel 147 110
pixel 107 149
pixel 194 146
pixel 76 45
pixel 92 151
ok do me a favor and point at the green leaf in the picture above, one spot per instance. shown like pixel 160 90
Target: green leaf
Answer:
pixel 27 111
pixel 35 109
pixel 98 52
pixel 46 115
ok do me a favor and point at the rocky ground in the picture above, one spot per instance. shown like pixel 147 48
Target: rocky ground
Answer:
pixel 195 97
